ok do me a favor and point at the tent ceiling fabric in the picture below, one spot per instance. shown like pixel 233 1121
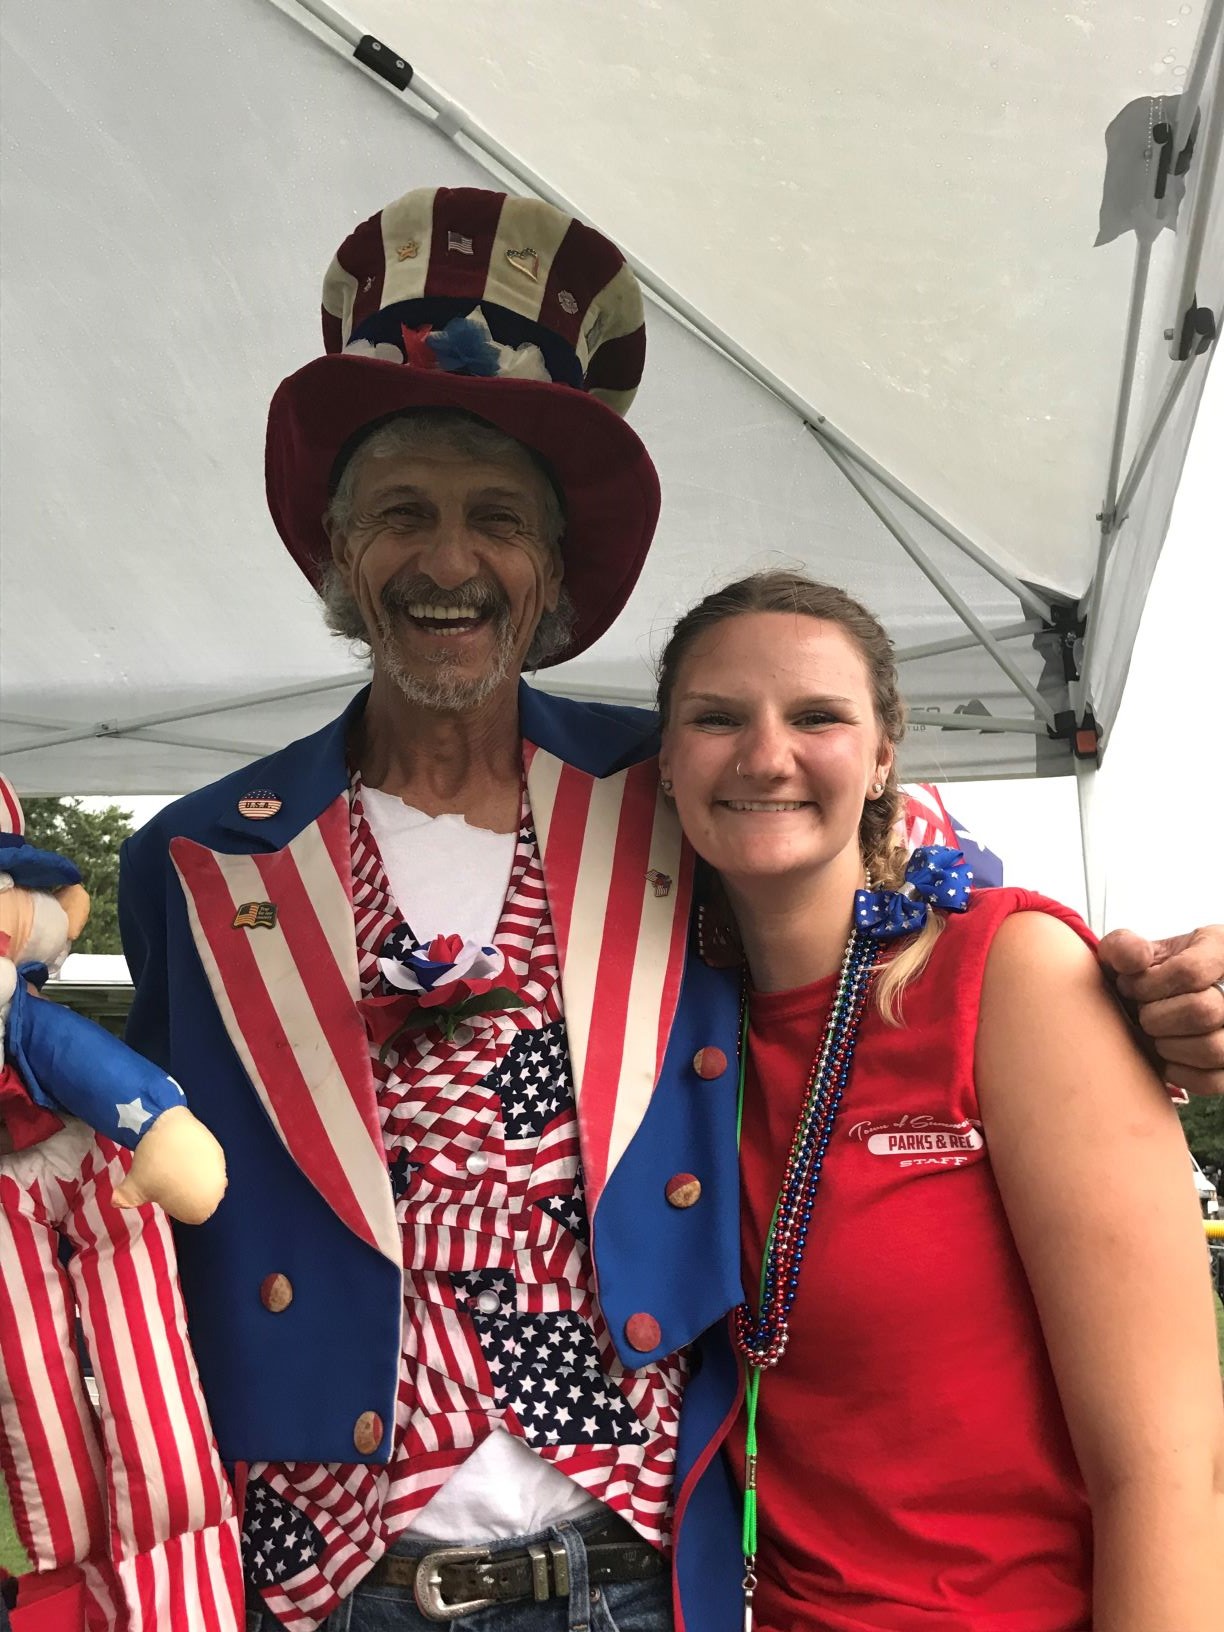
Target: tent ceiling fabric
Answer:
pixel 897 221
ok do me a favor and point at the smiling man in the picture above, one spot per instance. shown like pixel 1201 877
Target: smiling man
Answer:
pixel 428 976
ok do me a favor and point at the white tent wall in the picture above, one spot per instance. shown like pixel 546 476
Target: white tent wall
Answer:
pixel 175 182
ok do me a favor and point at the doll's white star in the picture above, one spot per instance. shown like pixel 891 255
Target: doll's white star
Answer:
pixel 132 1115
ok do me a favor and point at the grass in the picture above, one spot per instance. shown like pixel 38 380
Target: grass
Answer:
pixel 12 1554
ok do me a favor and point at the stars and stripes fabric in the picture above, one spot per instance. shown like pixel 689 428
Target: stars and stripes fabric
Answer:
pixel 133 1491
pixel 926 819
pixel 927 822
pixel 502 1326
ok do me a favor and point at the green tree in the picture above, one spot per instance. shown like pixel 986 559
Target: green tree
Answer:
pixel 91 838
pixel 1203 1120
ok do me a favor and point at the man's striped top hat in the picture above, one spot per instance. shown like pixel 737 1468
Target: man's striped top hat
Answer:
pixel 503 307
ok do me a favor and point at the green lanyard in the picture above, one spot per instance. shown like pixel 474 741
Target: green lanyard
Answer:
pixel 752 1388
pixel 826 1084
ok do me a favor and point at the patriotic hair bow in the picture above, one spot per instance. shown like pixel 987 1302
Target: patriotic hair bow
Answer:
pixel 937 876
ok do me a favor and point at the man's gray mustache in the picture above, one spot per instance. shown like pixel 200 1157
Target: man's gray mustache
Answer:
pixel 474 596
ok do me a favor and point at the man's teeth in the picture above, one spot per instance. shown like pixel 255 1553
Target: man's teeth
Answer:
pixel 443 614
pixel 765 804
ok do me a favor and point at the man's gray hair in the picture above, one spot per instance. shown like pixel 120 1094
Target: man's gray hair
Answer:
pixel 455 432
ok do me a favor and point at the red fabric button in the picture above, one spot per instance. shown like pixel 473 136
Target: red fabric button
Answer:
pixel 709 1063
pixel 276 1293
pixel 643 1332
pixel 368 1432
pixel 683 1189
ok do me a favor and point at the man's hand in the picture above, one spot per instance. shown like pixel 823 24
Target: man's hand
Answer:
pixel 1176 984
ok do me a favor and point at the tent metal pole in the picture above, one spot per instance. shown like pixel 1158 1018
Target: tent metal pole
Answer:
pixel 457 127
pixel 212 745
pixel 1135 475
pixel 985 723
pixel 1207 159
pixel 36 722
pixel 1134 323
pixel 961 643
pixel 120 728
pixel 1108 517
pixel 1192 88
pixel 200 711
pixel 61 739
pixel 820 428
pixel 956 601
pixel 1143 454
pixel 308 688
pixel 1094 877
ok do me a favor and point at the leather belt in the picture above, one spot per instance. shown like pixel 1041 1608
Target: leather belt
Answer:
pixel 453 1581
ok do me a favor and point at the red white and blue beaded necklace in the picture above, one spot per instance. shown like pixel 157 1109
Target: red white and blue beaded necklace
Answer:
pixel 938 875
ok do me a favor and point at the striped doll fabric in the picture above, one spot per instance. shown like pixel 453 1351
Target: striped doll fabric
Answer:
pixel 134 1493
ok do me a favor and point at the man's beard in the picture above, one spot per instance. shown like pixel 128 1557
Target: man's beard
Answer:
pixel 445 690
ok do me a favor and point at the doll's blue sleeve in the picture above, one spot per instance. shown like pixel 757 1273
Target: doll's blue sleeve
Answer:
pixel 70 1065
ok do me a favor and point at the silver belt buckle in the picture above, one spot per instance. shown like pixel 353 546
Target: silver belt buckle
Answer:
pixel 427 1587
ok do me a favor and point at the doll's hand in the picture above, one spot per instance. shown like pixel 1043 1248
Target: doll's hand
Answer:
pixel 179 1165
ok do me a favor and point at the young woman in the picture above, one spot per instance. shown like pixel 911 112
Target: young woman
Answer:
pixel 982 1389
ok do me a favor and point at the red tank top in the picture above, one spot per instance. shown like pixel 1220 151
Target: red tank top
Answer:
pixel 915 1470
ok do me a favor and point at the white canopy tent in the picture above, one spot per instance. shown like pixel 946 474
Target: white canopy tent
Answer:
pixel 883 344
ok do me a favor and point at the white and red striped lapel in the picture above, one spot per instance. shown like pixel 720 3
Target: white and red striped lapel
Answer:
pixel 619 879
pixel 287 991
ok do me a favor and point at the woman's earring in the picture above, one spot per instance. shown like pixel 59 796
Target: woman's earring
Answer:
pixel 877 788
pixel 666 786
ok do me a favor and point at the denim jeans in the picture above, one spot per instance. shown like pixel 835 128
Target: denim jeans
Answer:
pixel 630 1606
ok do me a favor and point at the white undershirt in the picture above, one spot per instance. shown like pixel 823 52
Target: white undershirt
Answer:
pixel 448 878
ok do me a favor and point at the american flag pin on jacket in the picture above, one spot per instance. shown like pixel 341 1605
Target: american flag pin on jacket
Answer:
pixel 258 805
pixel 255 915
pixel 660 882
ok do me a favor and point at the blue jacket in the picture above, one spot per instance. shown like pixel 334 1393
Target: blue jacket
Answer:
pixel 291 1385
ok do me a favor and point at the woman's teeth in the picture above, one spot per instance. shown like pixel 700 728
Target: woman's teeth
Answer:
pixel 768 805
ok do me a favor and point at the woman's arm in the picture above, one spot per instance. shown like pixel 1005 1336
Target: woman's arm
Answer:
pixel 1093 1171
